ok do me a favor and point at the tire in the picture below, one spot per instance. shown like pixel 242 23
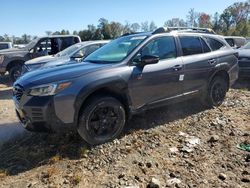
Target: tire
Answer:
pixel 216 92
pixel 102 120
pixel 15 72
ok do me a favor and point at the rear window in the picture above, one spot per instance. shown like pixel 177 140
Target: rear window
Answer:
pixel 191 45
pixel 214 44
pixel 4 46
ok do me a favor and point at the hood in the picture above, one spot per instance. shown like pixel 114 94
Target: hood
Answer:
pixel 58 62
pixel 59 73
pixel 13 51
pixel 244 52
pixel 39 60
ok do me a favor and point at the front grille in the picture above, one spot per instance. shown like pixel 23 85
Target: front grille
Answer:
pixel 18 92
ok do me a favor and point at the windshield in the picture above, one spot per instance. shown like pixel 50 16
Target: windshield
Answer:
pixel 31 44
pixel 116 50
pixel 68 50
pixel 247 46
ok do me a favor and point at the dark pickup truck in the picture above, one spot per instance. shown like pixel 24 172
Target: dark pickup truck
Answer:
pixel 11 60
pixel 127 76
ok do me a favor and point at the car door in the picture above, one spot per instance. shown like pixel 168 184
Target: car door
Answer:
pixel 157 82
pixel 198 62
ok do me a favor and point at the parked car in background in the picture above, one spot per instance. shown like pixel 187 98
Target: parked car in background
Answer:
pixel 244 61
pixel 5 45
pixel 12 60
pixel 72 54
pixel 129 75
pixel 235 41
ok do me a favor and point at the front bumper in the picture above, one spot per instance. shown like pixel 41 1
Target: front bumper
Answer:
pixel 38 114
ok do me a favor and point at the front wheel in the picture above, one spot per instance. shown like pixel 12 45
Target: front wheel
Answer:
pixel 102 120
pixel 15 72
pixel 216 92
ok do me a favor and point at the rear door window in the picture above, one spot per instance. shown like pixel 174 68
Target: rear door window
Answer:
pixel 191 45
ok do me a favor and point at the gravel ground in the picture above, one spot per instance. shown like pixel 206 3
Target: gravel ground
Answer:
pixel 184 145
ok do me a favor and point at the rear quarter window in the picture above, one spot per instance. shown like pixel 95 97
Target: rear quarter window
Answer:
pixel 191 45
pixel 214 44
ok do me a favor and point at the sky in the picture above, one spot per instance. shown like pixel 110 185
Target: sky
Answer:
pixel 34 17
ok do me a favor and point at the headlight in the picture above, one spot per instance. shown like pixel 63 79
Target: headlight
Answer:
pixel 1 58
pixel 49 89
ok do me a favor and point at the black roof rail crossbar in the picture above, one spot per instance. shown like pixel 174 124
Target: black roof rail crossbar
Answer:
pixel 186 29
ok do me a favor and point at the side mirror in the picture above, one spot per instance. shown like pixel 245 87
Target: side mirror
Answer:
pixel 149 59
pixel 78 55
pixel 31 50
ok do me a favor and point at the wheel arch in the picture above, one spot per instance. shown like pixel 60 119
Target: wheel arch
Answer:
pixel 221 73
pixel 12 63
pixel 116 89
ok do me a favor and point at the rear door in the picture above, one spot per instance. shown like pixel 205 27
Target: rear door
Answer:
pixel 157 82
pixel 198 61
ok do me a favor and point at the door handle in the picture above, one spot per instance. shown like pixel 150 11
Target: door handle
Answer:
pixel 212 61
pixel 177 67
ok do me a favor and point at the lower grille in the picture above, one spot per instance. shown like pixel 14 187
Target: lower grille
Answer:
pixel 37 114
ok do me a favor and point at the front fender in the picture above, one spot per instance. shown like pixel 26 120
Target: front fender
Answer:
pixel 115 83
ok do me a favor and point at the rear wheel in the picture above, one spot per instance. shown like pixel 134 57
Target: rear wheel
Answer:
pixel 101 120
pixel 15 72
pixel 216 92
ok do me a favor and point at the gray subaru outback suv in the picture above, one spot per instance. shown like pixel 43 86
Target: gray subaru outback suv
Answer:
pixel 127 76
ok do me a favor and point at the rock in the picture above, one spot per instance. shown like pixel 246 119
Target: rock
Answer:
pixel 214 138
pixel 222 176
pixel 221 121
pixel 66 181
pixel 187 149
pixel 192 141
pixel 173 150
pixel 173 181
pixel 154 183
pixel 183 134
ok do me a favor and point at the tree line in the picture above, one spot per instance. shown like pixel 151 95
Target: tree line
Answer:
pixel 234 20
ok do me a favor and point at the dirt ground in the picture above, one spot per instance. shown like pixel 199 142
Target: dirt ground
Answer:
pixel 181 145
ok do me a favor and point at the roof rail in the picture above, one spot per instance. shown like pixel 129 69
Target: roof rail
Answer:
pixel 184 29
pixel 131 33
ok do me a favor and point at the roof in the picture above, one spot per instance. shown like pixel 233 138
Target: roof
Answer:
pixel 57 36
